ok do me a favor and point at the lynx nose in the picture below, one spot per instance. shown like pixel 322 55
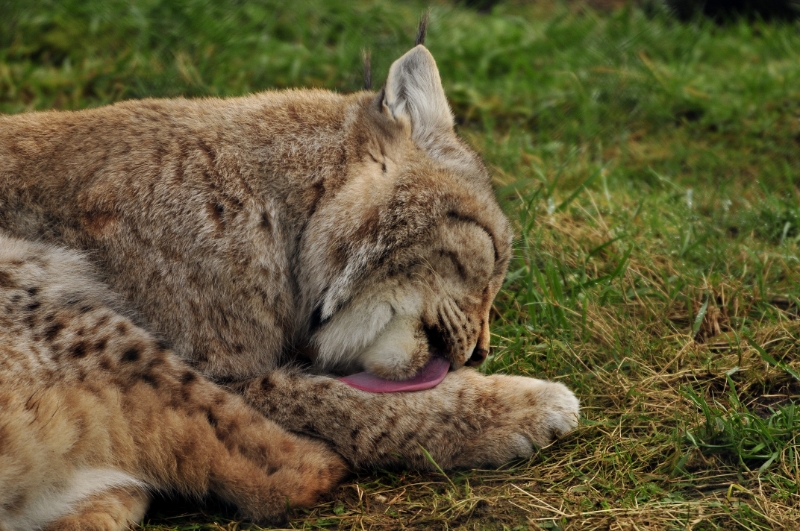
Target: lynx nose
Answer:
pixel 478 357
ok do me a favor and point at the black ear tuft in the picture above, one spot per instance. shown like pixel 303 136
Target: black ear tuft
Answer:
pixel 366 57
pixel 422 29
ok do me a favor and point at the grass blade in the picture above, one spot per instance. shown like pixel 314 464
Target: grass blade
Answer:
pixel 769 359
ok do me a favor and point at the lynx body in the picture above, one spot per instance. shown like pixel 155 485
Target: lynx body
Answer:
pixel 167 265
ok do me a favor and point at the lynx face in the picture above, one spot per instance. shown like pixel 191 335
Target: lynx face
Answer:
pixel 403 261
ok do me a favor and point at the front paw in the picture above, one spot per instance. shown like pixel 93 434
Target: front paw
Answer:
pixel 523 414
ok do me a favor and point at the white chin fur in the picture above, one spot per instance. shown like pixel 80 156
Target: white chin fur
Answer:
pixel 371 332
pixel 348 333
pixel 391 353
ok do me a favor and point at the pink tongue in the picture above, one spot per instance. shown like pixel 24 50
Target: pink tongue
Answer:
pixel 429 376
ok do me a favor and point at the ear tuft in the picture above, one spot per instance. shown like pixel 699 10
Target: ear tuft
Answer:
pixel 414 94
pixel 366 57
pixel 422 29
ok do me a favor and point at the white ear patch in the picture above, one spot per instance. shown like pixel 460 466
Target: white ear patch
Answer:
pixel 414 94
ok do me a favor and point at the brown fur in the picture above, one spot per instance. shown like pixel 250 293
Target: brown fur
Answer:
pixel 356 229
pixel 83 391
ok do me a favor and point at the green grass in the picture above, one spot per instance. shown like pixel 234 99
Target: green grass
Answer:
pixel 651 169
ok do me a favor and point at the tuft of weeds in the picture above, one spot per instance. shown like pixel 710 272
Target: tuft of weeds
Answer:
pixel 650 169
pixel 751 440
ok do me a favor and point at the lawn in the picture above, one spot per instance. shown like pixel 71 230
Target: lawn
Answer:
pixel 652 171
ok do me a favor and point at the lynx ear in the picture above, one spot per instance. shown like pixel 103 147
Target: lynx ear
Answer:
pixel 414 95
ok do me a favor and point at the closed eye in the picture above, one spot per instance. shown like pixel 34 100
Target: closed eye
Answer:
pixel 453 256
pixel 466 219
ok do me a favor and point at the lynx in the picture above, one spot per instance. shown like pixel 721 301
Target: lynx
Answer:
pixel 248 297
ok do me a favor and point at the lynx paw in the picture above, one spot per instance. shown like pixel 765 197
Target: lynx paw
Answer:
pixel 525 414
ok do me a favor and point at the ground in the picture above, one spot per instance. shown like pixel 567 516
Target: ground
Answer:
pixel 651 170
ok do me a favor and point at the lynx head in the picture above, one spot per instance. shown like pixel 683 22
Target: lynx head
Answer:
pixel 403 260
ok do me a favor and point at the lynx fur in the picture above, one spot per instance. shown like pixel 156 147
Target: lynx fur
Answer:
pixel 182 280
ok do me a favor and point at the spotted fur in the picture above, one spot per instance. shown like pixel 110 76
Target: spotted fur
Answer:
pixel 95 414
pixel 190 248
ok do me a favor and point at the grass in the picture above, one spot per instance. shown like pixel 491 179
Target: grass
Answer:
pixel 651 169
